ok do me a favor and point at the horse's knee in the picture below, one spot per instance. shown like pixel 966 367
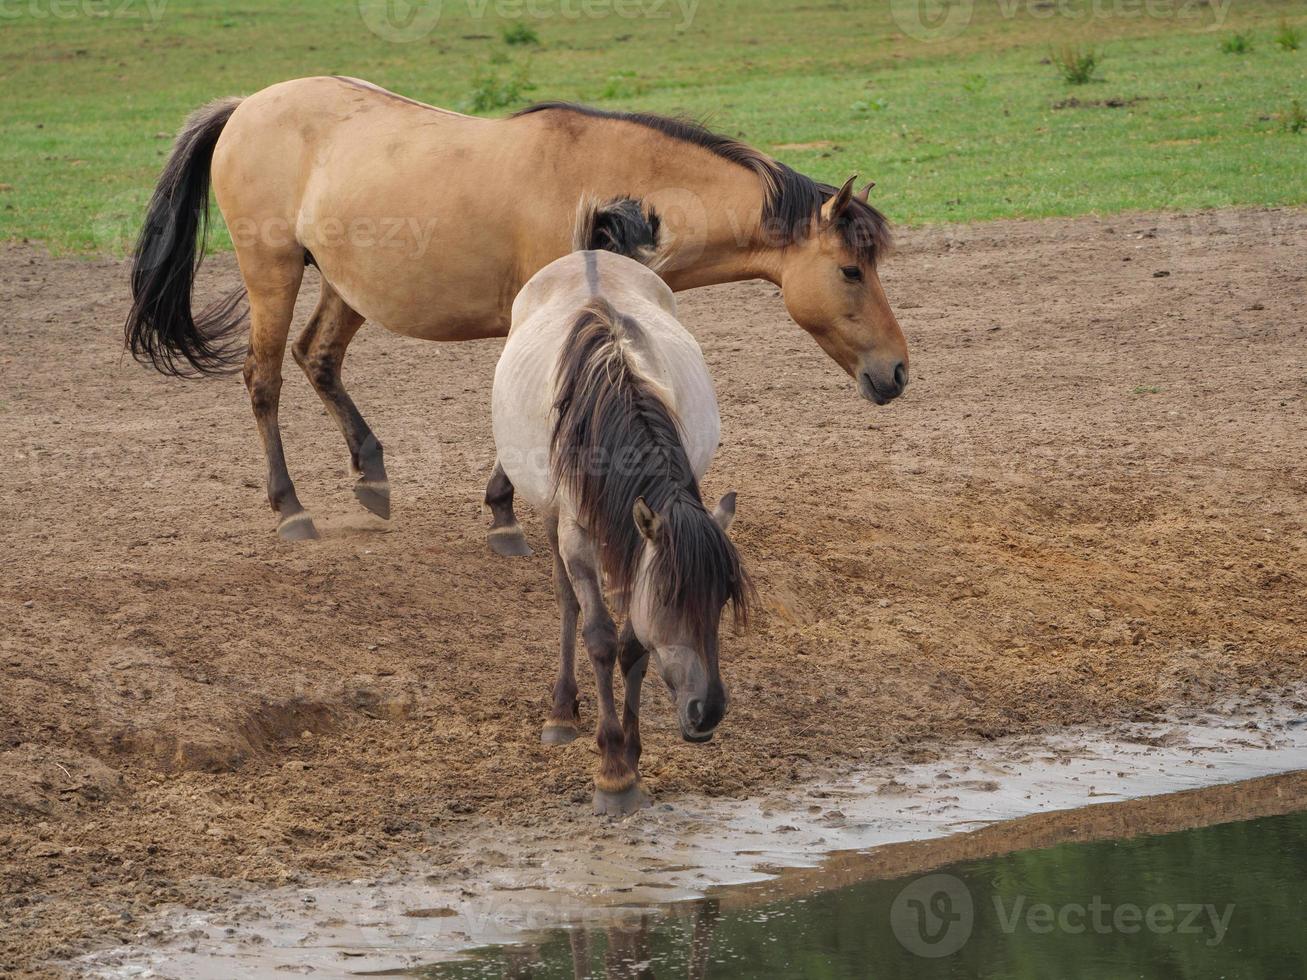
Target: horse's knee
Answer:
pixel 601 640
pixel 321 371
pixel 265 393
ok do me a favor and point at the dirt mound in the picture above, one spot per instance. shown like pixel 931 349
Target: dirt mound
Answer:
pixel 1089 504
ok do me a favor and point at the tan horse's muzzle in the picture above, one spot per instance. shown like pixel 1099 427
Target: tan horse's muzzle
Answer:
pixel 881 380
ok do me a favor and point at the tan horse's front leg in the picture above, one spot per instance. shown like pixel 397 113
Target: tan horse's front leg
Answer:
pixel 617 791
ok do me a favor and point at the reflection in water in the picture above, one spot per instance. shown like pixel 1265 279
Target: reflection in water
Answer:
pixel 623 951
pixel 1224 900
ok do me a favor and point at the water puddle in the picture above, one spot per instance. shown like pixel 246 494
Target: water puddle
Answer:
pixel 1221 900
pixel 696 882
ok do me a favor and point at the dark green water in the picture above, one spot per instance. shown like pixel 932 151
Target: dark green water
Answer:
pixel 1222 901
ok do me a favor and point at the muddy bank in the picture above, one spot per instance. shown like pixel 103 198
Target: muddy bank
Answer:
pixel 1089 506
pixel 1011 794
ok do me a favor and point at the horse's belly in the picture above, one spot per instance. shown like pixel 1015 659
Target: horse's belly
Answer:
pixel 521 413
pixel 414 298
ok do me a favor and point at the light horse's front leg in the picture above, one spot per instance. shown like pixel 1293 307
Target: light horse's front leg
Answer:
pixel 617 789
pixel 560 728
pixel 634 661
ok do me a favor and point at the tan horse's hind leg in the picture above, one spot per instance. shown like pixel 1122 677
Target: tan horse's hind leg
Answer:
pixel 272 291
pixel 320 351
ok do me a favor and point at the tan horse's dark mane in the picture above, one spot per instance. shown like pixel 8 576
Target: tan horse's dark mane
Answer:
pixel 791 199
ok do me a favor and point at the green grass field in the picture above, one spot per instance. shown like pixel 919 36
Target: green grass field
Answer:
pixel 975 123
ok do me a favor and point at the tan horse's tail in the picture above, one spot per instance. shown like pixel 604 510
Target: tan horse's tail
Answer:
pixel 622 225
pixel 161 330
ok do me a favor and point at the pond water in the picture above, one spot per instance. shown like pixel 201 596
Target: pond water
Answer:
pixel 1227 900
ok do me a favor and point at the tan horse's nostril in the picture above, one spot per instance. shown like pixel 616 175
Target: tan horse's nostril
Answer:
pixel 901 375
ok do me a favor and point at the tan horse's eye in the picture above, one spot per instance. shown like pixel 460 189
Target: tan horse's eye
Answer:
pixel 852 273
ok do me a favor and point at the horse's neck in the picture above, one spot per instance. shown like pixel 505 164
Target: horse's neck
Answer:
pixel 711 212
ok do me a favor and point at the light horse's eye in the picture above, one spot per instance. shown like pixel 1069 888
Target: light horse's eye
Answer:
pixel 852 273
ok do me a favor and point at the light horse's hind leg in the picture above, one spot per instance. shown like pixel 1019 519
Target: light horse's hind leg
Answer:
pixel 560 728
pixel 273 283
pixel 505 537
pixel 320 351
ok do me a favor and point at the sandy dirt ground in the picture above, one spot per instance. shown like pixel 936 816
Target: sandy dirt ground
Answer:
pixel 1089 506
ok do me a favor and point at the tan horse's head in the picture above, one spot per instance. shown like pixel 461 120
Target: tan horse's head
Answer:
pixel 832 290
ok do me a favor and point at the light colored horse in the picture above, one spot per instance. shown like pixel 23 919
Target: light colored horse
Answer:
pixel 429 222
pixel 605 419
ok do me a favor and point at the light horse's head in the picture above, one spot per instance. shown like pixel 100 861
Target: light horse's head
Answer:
pixel 687 573
pixel 831 288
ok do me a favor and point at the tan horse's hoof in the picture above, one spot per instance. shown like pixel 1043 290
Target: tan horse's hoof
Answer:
pixel 509 542
pixel 297 527
pixel 620 804
pixel 375 496
pixel 558 733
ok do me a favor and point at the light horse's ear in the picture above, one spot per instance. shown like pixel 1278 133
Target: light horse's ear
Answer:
pixel 840 202
pixel 724 512
pixel 647 522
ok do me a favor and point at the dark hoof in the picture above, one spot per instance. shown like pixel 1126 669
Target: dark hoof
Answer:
pixel 558 733
pixel 375 496
pixel 297 527
pixel 620 804
pixel 509 542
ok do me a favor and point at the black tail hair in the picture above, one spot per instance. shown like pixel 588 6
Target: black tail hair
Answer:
pixel 160 328
pixel 622 225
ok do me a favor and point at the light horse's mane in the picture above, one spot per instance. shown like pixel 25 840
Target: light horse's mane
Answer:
pixel 615 441
pixel 791 200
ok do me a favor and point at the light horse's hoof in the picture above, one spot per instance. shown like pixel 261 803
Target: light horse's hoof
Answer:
pixel 375 496
pixel 558 733
pixel 620 804
pixel 509 542
pixel 297 527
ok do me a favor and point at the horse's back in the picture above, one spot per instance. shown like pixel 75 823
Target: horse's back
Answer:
pixel 658 347
pixel 383 191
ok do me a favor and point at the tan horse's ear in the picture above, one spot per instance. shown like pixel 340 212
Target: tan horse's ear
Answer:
pixel 724 512
pixel 866 191
pixel 837 204
pixel 647 522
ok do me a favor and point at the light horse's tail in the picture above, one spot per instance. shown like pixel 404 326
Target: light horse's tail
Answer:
pixel 161 329
pixel 622 225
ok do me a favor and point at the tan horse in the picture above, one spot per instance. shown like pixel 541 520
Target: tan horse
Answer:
pixel 429 222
